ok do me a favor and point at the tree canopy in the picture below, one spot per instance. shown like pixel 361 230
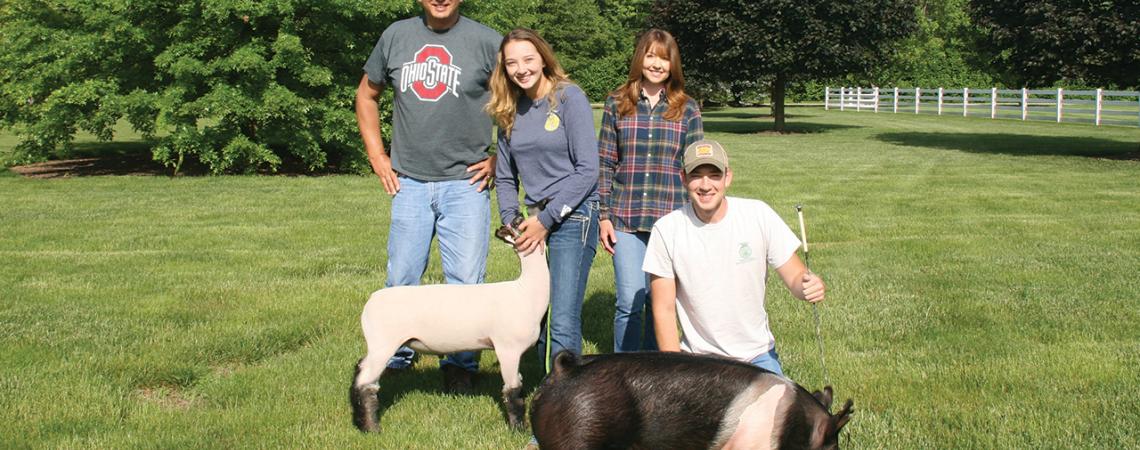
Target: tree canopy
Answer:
pixel 239 86
pixel 1041 42
pixel 723 41
pixel 234 85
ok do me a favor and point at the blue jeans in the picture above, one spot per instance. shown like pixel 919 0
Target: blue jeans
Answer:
pixel 571 246
pixel 633 319
pixel 769 361
pixel 460 218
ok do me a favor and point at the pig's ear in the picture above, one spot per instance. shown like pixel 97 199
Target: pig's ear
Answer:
pixel 824 397
pixel 844 415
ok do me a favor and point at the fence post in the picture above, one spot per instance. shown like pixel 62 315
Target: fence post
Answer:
pixel 876 99
pixel 1099 102
pixel 917 94
pixel 859 98
pixel 1060 101
pixel 940 101
pixel 895 102
pixel 843 98
pixel 826 98
pixel 993 103
pixel 965 101
pixel 1024 103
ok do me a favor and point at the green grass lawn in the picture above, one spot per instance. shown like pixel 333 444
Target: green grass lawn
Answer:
pixel 982 294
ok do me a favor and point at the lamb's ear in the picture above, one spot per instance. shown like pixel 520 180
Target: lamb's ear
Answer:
pixel 505 234
pixel 517 221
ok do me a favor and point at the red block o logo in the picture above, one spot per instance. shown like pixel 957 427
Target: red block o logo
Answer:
pixel 431 74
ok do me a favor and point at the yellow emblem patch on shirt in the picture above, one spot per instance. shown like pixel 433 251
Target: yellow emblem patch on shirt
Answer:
pixel 552 122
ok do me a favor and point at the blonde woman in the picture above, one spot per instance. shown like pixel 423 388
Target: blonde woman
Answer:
pixel 646 125
pixel 547 140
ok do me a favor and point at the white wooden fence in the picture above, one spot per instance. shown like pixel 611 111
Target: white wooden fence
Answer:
pixel 1098 107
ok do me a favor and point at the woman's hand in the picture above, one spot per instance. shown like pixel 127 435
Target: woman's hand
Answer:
pixel 531 235
pixel 607 235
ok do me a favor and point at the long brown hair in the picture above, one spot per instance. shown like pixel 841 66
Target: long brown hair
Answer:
pixel 505 93
pixel 657 41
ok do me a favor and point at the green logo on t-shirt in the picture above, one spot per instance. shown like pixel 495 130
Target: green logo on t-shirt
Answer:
pixel 744 254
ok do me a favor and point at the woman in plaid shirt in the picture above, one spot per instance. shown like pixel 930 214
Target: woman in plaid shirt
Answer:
pixel 646 125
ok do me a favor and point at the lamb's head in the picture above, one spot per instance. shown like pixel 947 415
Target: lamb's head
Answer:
pixel 508 233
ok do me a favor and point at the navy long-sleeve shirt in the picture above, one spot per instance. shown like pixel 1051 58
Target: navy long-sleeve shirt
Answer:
pixel 554 152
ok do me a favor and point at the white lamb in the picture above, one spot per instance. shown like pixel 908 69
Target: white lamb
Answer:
pixel 448 318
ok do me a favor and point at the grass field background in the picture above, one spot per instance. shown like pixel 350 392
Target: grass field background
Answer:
pixel 983 293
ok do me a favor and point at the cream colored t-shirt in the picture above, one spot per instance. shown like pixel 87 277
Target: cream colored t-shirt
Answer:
pixel 720 270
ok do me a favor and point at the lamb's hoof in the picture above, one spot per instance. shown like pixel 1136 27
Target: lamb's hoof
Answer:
pixel 457 380
pixel 515 405
pixel 365 405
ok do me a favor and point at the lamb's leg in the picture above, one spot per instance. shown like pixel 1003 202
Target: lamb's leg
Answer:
pixel 363 398
pixel 512 387
pixel 362 392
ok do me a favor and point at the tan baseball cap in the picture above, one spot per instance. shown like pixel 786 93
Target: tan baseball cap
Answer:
pixel 705 151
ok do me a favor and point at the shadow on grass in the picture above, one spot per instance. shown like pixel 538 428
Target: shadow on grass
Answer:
pixel 98 158
pixel 766 126
pixel 598 316
pixel 736 114
pixel 135 158
pixel 1018 144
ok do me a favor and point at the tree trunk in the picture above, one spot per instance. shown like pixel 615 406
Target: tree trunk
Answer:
pixel 778 101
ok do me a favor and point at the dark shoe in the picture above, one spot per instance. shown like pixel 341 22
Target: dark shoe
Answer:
pixel 457 380
pixel 394 371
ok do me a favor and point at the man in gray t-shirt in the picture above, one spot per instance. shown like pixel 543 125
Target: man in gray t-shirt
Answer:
pixel 438 170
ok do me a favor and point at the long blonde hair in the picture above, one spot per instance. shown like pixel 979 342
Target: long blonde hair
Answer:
pixel 505 93
pixel 628 94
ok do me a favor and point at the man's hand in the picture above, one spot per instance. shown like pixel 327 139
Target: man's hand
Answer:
pixel 382 167
pixel 484 173
pixel 368 120
pixel 813 287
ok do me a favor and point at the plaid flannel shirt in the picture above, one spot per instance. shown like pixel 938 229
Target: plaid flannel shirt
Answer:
pixel 640 156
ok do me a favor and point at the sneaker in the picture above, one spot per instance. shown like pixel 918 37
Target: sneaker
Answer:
pixel 391 371
pixel 457 380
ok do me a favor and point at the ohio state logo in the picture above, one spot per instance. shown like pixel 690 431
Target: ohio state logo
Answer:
pixel 431 74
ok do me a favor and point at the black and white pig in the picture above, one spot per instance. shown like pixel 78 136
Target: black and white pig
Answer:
pixel 657 400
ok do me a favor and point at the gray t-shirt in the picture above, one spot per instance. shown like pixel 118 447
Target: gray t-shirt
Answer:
pixel 439 82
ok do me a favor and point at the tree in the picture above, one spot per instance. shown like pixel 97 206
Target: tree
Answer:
pixel 1042 42
pixel 240 86
pixel 940 52
pixel 588 47
pixel 233 85
pixel 729 41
